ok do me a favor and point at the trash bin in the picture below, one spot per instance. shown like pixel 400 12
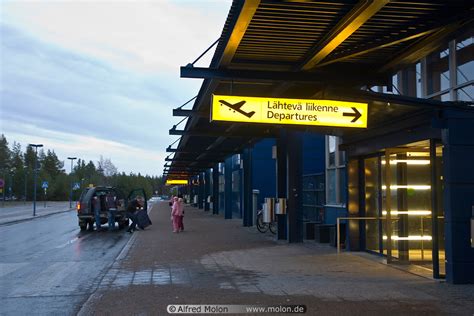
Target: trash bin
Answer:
pixel 309 230
pixel 333 235
pixel 321 233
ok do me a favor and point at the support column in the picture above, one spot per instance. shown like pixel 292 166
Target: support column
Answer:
pixel 459 196
pixel 228 188
pixel 295 186
pixel 407 81
pixel 201 191
pixel 207 189
pixel 281 181
pixel 247 188
pixel 215 189
pixel 190 191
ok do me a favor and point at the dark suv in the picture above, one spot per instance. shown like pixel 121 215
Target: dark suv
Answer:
pixel 85 213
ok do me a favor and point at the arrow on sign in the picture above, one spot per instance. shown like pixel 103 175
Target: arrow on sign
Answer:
pixel 356 114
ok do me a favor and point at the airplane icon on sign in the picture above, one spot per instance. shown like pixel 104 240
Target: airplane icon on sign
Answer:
pixel 236 108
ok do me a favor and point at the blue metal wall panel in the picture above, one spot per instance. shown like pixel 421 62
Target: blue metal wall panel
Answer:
pixel 263 170
pixel 313 153
pixel 458 154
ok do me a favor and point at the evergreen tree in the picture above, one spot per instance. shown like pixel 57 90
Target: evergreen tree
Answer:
pixel 52 165
pixel 4 154
pixel 29 158
pixel 18 168
pixel 18 171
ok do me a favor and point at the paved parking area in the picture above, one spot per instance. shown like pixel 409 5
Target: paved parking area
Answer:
pixel 217 261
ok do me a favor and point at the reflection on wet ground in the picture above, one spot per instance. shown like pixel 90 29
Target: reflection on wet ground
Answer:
pixel 193 274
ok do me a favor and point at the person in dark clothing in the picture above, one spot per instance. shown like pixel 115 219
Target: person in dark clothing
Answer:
pixel 132 210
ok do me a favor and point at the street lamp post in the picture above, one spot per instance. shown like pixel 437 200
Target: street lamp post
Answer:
pixel 70 196
pixel 26 178
pixel 35 174
pixel 10 187
pixel 4 188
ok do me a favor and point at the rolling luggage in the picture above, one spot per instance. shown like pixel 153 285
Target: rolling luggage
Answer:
pixel 142 219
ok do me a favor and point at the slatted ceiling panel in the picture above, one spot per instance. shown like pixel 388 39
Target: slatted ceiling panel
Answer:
pixel 285 32
pixel 392 21
pixel 379 56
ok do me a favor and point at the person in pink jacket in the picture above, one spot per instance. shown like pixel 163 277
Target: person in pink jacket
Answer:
pixel 177 212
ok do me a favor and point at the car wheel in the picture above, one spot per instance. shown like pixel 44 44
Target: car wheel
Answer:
pixel 91 225
pixel 83 226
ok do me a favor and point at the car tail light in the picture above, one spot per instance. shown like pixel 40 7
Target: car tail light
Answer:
pixel 78 206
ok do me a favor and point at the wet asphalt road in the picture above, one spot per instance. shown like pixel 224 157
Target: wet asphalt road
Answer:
pixel 48 266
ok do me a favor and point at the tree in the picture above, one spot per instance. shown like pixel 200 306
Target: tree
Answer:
pixel 4 154
pixel 18 171
pixel 52 165
pixel 29 158
pixel 18 167
pixel 107 167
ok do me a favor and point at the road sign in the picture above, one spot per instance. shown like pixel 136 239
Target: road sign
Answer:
pixel 289 111
pixel 76 186
pixel 45 185
pixel 2 183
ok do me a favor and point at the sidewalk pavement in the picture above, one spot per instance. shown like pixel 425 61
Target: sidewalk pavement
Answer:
pixel 17 212
pixel 217 261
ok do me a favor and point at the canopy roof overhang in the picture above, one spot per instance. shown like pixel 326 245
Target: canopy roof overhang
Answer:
pixel 311 49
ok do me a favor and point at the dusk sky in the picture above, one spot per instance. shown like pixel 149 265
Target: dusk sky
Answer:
pixel 91 78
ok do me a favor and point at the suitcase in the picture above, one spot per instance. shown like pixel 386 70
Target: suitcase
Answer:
pixel 142 219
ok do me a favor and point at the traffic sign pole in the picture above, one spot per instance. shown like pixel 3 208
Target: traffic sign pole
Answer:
pixel 2 186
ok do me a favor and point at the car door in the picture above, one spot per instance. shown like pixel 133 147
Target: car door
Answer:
pixel 140 195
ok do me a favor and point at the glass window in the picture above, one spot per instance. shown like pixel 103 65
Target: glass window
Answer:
pixel 446 97
pixel 464 60
pixel 419 89
pixel 342 157
pixel 342 185
pixel 444 69
pixel 332 150
pixel 438 71
pixel 395 89
pixel 331 186
pixel 335 168
pixel 466 93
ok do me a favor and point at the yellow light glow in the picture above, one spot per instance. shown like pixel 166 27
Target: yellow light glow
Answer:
pixel 414 187
pixel 409 213
pixel 182 182
pixel 408 162
pixel 289 111
pixel 413 237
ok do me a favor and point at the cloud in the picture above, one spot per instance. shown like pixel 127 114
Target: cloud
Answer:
pixel 147 36
pixel 125 157
pixel 92 78
pixel 101 78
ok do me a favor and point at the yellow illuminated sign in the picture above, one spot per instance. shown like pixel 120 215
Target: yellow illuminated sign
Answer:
pixel 181 182
pixel 288 111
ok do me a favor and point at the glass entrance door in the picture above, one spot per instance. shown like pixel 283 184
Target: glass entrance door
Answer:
pixel 399 195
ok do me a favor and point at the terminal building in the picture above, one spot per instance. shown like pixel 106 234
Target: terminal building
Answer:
pixel 358 113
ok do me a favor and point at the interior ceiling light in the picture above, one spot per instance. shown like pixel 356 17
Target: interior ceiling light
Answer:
pixel 413 187
pixel 410 213
pixel 412 237
pixel 408 162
